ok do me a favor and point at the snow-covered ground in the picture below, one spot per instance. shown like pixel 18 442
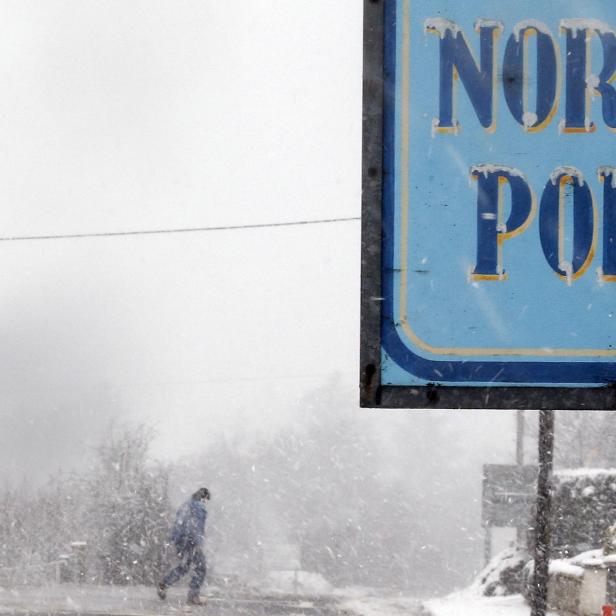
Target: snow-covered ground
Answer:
pixel 297 582
pixel 140 601
pixel 468 603
pixel 68 599
pixel 383 606
pixel 464 603
pixel 75 599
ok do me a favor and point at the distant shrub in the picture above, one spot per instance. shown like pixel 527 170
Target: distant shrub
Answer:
pixel 583 509
pixel 502 575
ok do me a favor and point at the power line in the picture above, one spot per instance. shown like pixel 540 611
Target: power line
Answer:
pixel 72 236
pixel 94 388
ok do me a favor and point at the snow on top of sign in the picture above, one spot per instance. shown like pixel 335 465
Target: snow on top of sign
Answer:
pixel 490 23
pixel 577 24
pixel 574 473
pixel 442 26
pixel 573 172
pixel 527 24
pixel 606 172
pixel 529 119
pixel 436 124
pixel 567 267
pixel 562 125
pixel 600 277
pixel 574 567
pixel 485 169
pixel 590 558
pixel 566 568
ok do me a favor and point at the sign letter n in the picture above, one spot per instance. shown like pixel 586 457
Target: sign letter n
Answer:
pixel 457 61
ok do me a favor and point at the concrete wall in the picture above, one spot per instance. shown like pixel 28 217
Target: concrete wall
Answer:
pixel 570 595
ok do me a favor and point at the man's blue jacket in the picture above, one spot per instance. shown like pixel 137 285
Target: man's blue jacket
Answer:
pixel 189 527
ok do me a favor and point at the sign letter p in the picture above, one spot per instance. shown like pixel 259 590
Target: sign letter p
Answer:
pixel 492 230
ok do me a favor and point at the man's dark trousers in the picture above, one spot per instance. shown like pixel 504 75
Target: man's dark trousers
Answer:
pixel 190 557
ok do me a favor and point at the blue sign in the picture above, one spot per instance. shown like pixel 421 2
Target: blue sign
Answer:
pixel 499 194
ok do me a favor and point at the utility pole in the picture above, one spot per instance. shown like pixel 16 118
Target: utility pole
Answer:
pixel 542 524
pixel 519 449
pixel 519 460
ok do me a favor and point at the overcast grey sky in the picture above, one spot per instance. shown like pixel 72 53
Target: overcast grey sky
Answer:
pixel 130 115
pixel 163 114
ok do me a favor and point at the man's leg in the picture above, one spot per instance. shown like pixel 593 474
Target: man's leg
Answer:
pixel 182 569
pixel 200 568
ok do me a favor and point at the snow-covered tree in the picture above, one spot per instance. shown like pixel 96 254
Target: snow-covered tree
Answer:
pixel 117 510
pixel 129 509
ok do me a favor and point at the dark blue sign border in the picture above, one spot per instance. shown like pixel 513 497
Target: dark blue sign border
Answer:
pixel 377 326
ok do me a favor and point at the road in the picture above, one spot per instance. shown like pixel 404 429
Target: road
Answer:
pixel 67 600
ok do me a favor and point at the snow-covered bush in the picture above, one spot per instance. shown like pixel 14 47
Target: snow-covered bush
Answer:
pixel 583 509
pixel 503 574
pixel 118 511
pixel 129 510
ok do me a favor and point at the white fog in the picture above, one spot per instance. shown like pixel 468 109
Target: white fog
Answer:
pixel 212 351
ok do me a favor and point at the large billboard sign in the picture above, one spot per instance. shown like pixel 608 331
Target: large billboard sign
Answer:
pixel 489 204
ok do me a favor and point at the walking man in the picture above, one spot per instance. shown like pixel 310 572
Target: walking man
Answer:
pixel 187 536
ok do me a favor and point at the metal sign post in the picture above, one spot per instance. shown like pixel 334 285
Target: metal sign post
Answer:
pixel 521 530
pixel 519 440
pixel 542 525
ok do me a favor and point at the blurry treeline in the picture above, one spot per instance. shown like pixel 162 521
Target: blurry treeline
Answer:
pixel 585 439
pixel 584 484
pixel 320 487
pixel 118 506
pixel 367 499
pixel 582 439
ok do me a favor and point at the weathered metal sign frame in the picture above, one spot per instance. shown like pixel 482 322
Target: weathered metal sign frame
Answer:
pixel 461 381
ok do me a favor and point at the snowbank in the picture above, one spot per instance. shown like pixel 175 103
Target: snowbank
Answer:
pixel 375 606
pixel 300 582
pixel 502 575
pixel 573 473
pixel 467 603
